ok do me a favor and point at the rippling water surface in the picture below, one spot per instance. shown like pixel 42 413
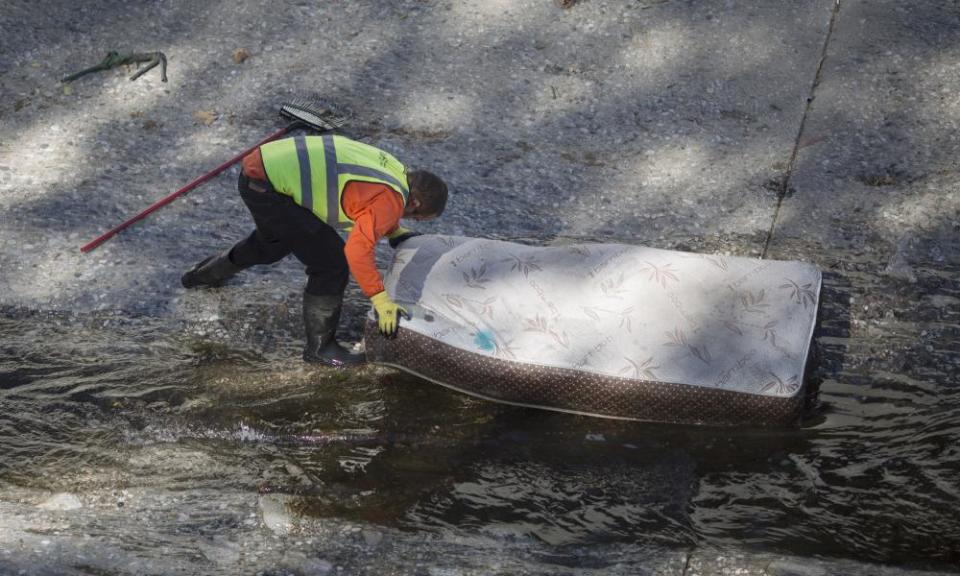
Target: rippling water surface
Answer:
pixel 189 436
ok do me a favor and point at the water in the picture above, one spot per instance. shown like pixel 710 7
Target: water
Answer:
pixel 185 452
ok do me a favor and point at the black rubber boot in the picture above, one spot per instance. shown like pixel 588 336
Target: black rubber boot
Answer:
pixel 321 314
pixel 213 271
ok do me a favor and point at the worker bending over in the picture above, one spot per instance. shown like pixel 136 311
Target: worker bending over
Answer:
pixel 299 191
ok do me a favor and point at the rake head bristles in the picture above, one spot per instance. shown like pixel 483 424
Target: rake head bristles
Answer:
pixel 315 112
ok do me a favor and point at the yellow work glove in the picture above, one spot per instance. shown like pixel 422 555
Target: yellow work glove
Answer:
pixel 388 313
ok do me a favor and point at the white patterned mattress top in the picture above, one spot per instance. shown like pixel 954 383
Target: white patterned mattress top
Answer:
pixel 629 312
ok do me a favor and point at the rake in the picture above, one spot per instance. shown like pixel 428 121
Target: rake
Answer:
pixel 309 112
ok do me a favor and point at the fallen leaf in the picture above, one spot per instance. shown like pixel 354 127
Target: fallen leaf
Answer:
pixel 150 125
pixel 205 117
pixel 810 140
pixel 68 90
pixel 240 54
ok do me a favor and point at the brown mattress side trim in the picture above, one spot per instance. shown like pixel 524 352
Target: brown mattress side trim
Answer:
pixel 576 391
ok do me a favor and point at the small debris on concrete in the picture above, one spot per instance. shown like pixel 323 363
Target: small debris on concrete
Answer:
pixel 206 117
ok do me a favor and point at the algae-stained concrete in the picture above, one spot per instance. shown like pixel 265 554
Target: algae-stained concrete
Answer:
pixel 876 168
pixel 610 120
pixel 702 111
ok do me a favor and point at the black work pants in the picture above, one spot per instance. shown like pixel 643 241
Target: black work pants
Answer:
pixel 283 227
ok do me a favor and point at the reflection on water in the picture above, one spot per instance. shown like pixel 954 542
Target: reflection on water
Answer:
pixel 874 474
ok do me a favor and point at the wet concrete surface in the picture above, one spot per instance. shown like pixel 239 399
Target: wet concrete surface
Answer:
pixel 818 131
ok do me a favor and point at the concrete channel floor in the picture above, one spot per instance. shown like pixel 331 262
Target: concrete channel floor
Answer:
pixel 823 130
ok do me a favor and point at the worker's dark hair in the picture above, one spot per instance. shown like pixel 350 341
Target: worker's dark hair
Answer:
pixel 430 189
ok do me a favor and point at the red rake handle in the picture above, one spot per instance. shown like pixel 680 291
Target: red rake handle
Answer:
pixel 168 199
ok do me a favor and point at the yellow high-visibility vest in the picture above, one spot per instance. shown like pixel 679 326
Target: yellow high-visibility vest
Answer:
pixel 313 170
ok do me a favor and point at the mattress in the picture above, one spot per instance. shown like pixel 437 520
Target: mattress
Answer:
pixel 606 330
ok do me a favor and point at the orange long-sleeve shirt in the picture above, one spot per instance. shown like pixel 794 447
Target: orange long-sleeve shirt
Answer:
pixel 375 209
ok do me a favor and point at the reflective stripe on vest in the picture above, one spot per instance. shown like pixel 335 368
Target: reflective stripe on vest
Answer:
pixel 313 170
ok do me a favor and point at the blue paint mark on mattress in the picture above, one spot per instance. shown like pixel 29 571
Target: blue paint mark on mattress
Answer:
pixel 484 340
